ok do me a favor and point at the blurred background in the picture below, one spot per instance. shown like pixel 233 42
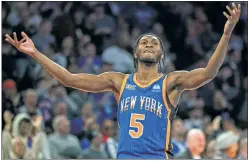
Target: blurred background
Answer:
pixel 41 119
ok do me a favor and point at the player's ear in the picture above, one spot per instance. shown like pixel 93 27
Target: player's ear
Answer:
pixel 162 56
pixel 135 54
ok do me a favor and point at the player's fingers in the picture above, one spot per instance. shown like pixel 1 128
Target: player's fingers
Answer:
pixel 10 40
pixel 227 16
pixel 234 6
pixel 25 35
pixel 15 38
pixel 239 7
pixel 22 40
pixel 25 43
pixel 229 10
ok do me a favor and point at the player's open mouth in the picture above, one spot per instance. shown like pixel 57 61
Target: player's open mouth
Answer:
pixel 149 51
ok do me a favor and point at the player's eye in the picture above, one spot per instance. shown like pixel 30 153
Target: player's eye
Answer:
pixel 143 42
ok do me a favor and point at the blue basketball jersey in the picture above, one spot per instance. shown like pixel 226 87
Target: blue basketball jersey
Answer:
pixel 144 118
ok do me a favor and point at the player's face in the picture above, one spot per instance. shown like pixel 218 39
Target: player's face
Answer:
pixel 148 50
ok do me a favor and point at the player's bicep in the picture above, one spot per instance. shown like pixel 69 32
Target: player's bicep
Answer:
pixel 193 79
pixel 92 83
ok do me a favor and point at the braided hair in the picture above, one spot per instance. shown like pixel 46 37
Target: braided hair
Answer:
pixel 161 62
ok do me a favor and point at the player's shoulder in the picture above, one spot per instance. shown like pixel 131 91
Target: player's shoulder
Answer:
pixel 115 77
pixel 176 74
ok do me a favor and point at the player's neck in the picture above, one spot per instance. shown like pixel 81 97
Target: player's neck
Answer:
pixel 147 73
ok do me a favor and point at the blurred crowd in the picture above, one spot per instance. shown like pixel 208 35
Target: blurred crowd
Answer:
pixel 42 119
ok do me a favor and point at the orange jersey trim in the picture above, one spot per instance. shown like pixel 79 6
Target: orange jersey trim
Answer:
pixel 144 86
pixel 168 131
pixel 123 86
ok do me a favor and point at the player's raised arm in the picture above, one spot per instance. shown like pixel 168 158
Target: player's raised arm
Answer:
pixel 198 77
pixel 85 82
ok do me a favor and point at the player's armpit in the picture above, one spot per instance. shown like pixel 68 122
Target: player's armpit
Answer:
pixel 192 80
pixel 109 81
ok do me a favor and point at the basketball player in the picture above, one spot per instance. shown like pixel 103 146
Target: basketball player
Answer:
pixel 147 99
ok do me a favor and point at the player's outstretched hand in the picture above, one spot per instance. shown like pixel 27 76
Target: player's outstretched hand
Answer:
pixel 232 19
pixel 25 45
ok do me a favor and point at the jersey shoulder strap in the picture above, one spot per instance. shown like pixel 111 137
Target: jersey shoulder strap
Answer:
pixel 123 86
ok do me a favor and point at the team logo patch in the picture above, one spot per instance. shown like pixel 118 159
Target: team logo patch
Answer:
pixel 130 87
pixel 156 88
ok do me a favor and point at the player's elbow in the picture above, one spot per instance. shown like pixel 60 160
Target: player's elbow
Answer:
pixel 209 75
pixel 68 81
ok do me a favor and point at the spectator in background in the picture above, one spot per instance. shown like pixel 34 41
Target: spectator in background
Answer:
pixel 67 47
pixel 62 57
pixel 220 103
pixel 96 150
pixel 45 83
pixel 44 37
pixel 88 62
pixel 158 29
pixel 111 144
pixel 227 145
pixel 78 123
pixel 61 108
pixel 196 114
pixel 135 33
pixel 105 25
pixel 90 24
pixel 24 143
pixel 11 98
pixel 242 104
pixel 188 99
pixel 106 66
pixel 46 87
pixel 30 103
pixel 61 94
pixel 45 105
pixel 196 143
pixel 37 72
pixel 18 149
pixel 228 123
pixel 89 129
pixel 35 17
pixel 23 61
pixel 8 65
pixel 211 150
pixel 63 145
pixel 107 129
pixel 243 148
pixel 230 82
pixel 79 97
pixel 118 56
pixel 79 15
pixel 143 15
pixel 178 137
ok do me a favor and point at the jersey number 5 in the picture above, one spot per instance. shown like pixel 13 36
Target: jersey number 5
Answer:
pixel 133 123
